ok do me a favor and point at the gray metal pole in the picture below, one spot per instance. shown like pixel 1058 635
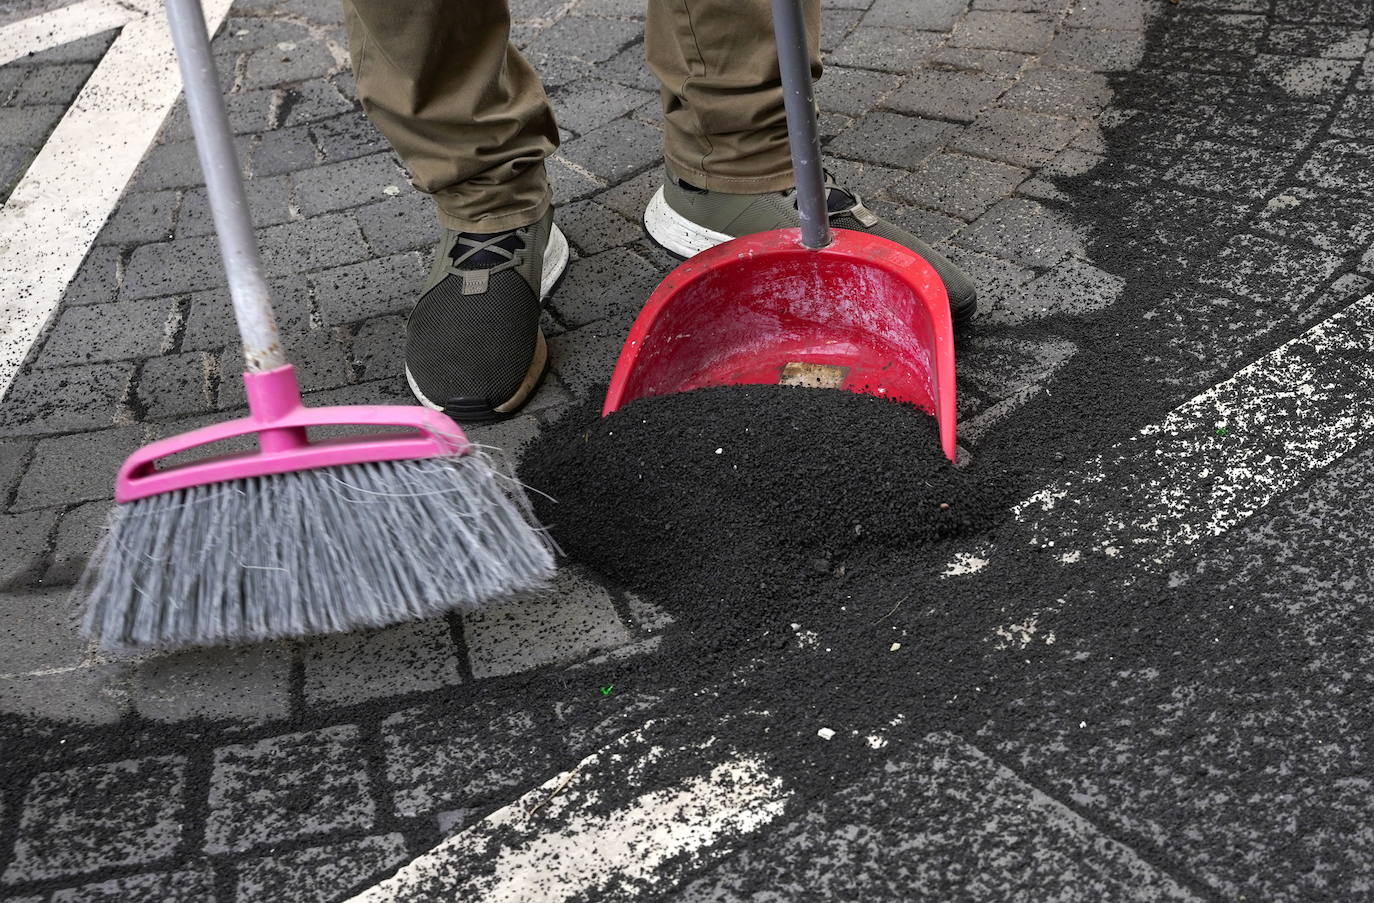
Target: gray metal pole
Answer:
pixel 224 187
pixel 802 133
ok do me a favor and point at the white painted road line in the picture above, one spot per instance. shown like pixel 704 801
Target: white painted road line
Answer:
pixel 70 190
pixel 1215 460
pixel 546 847
pixel 70 23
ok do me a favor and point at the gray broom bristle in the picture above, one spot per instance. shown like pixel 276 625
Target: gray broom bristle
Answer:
pixel 312 551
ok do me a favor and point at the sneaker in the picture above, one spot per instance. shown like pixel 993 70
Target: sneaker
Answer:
pixel 686 220
pixel 474 349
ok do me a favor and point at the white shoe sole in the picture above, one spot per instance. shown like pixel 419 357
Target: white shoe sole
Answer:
pixel 676 232
pixel 555 262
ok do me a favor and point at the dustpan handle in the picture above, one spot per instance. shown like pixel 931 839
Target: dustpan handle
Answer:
pixel 224 187
pixel 803 136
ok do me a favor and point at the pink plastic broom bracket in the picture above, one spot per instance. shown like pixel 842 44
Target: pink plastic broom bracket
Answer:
pixel 279 421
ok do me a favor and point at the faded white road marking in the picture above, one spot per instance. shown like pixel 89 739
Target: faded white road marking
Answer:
pixel 1225 454
pixel 58 208
pixel 546 846
pixel 69 23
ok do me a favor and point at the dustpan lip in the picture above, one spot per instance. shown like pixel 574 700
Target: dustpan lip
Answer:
pixel 897 261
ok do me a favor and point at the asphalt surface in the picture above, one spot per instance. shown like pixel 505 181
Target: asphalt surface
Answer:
pixel 1146 678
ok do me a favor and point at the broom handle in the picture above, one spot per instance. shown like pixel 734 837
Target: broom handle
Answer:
pixel 223 185
pixel 803 136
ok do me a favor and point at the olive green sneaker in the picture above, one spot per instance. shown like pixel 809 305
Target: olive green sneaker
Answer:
pixel 474 349
pixel 686 220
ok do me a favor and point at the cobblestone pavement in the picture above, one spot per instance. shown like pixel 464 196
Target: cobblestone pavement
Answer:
pixel 321 766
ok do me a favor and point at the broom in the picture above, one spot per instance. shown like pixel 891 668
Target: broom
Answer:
pixel 299 536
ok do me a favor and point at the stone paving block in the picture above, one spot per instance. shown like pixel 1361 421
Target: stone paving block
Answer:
pixel 571 619
pixel 1355 119
pixel 349 184
pixel 314 244
pixel 269 204
pixel 929 15
pixel 351 668
pixel 593 228
pixel 52 85
pixel 283 151
pixel 288 787
pixel 853 91
pixel 1332 221
pixel 613 282
pixel 379 347
pixel 1196 92
pixel 569 183
pixel 1000 367
pixel 143 216
pixel 247 683
pixel 869 180
pixel 97 816
pixel 590 40
pixel 437 762
pixel 38 631
pixel 347 137
pixel 25 537
pixel 1366 264
pixel 927 225
pixel 1024 231
pixel 1095 49
pixel 89 696
pixel 996 63
pixel 402 223
pixel 1351 12
pixel 1073 287
pixel 192 885
pixel 901 142
pixel 508 438
pixel 175 165
pixel 1123 15
pixel 97 281
pixel 14 162
pixel 620 9
pixel 321 874
pixel 80 530
pixel 96 333
pixel 210 322
pixel 958 184
pixel 64 399
pixel 589 103
pixel 175 384
pixel 1302 77
pixel 1276 123
pixel 311 101
pixel 1016 137
pixel 973 829
pixel 585 357
pixel 172 267
pixel 942 94
pixel 997 30
pixel 1341 166
pixel 1065 92
pixel 76 468
pixel 1268 272
pixel 836 22
pixel 1211 166
pixel 616 151
pixel 880 47
pixel 383 285
pixel 82 50
pixel 997 279
pixel 249 112
pixel 242 33
pixel 1332 41
pixel 628 68
pixel 268 66
pixel 14 457
pixel 630 197
pixel 319 357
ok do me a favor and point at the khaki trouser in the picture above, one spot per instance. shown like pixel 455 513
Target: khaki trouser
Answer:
pixel 468 115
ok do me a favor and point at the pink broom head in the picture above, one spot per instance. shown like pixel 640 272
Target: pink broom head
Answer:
pixel 279 420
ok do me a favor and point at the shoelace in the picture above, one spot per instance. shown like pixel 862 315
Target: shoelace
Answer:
pixel 469 246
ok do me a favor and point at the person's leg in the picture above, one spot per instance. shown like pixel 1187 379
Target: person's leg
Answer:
pixel 725 150
pixel 465 111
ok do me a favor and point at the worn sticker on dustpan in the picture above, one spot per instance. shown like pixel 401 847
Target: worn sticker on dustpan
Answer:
pixel 814 376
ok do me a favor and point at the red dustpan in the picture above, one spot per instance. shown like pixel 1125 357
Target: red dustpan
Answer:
pixel 810 306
